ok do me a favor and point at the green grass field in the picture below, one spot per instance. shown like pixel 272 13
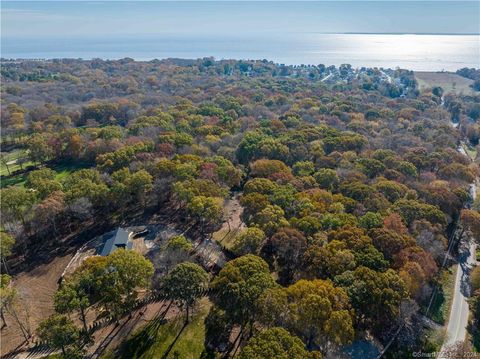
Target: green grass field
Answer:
pixel 63 170
pixel 17 180
pixel 449 82
pixel 168 340
pixel 11 162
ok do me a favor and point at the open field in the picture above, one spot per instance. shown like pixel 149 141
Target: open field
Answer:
pixel 10 162
pixel 6 181
pixel 170 340
pixel 62 169
pixel 36 289
pixel 449 82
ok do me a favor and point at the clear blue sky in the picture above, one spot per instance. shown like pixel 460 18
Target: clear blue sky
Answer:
pixel 39 19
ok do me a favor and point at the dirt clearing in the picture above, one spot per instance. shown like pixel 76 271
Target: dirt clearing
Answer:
pixel 35 290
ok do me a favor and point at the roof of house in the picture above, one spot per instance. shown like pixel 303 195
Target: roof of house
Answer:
pixel 120 238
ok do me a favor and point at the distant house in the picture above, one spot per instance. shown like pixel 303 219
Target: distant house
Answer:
pixel 120 238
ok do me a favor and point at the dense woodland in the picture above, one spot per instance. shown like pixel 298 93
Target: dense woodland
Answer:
pixel 351 193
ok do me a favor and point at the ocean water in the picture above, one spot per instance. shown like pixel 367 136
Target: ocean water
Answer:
pixel 415 52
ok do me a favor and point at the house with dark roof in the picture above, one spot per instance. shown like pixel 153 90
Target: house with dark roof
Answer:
pixel 120 238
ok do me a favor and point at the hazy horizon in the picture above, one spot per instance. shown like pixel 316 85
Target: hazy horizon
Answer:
pixel 27 19
pixel 422 35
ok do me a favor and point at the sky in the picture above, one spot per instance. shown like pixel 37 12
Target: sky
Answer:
pixel 63 19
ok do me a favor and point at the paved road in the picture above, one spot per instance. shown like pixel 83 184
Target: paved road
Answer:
pixel 389 78
pixel 457 323
pixel 458 320
pixel 326 78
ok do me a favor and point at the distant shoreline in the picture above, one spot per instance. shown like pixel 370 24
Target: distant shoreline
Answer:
pixel 3 60
pixel 407 33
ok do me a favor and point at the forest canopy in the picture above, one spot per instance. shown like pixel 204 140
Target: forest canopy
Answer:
pixel 348 191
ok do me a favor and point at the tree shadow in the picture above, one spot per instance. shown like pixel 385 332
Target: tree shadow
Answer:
pixel 170 347
pixel 108 339
pixel 142 341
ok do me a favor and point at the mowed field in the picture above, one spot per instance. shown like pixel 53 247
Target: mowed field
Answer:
pixel 448 81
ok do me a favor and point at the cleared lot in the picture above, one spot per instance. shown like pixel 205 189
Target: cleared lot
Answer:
pixel 36 289
pixel 450 82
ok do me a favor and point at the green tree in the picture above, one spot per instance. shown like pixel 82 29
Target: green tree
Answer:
pixel 286 247
pixel 59 332
pixel 139 184
pixel 185 284
pixel 266 168
pixel 239 285
pixel 389 242
pixel 6 245
pixel 15 202
pixel 86 183
pixel 259 185
pixel 270 218
pixel 276 343
pixel 249 241
pixel 371 167
pixel 274 308
pixel 179 243
pixel 72 297
pixel 329 260
pixel 392 190
pixel 327 178
pixel 316 308
pixel 303 168
pixel 407 168
pixel 375 296
pixel 206 209
pixel 412 210
pixel 43 182
pixel 253 203
pixel 38 149
pixel 249 146
pixel 371 220
pixel 177 250
pixel 131 186
pixel 113 281
pixel 124 273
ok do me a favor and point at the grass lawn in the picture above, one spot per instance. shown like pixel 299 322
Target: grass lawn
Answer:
pixel 12 180
pixel 62 169
pixel 443 299
pixel 11 158
pixel 168 340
